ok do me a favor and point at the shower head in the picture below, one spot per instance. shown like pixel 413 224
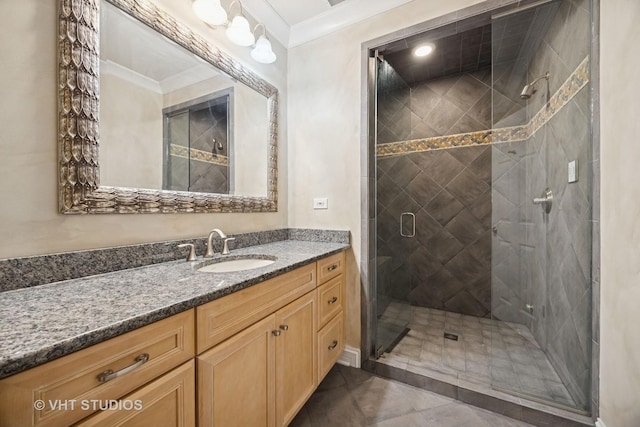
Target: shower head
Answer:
pixel 529 89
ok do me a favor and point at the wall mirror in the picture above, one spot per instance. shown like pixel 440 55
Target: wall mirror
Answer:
pixel 180 125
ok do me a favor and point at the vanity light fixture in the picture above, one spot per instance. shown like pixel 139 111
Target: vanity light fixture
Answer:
pixel 262 52
pixel 424 50
pixel 210 11
pixel 238 30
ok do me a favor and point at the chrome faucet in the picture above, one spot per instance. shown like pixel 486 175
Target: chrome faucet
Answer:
pixel 225 240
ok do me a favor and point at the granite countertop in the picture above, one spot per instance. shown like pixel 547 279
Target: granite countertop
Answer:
pixel 42 323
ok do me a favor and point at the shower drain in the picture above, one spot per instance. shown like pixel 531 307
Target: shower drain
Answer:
pixel 452 337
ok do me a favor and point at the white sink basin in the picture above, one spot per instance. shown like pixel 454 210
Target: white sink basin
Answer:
pixel 237 264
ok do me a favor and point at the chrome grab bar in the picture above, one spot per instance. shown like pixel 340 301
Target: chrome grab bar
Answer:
pixel 413 228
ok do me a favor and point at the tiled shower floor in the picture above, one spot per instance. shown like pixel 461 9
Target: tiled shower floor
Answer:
pixel 489 354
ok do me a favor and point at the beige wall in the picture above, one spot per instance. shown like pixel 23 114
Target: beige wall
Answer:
pixel 620 214
pixel 131 134
pixel 324 129
pixel 29 219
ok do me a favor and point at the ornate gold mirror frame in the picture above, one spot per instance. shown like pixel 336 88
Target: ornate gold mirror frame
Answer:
pixel 78 129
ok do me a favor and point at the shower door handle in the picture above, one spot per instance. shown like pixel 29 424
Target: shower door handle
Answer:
pixel 413 224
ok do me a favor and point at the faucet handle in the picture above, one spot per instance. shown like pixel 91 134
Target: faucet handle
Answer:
pixel 192 251
pixel 225 248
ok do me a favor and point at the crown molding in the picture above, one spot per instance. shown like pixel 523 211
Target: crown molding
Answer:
pixel 338 17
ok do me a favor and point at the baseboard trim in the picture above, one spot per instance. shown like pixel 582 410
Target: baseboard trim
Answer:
pixel 600 423
pixel 350 357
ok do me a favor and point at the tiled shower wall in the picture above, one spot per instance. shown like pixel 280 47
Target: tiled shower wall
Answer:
pixel 446 106
pixel 552 253
pixel 447 265
pixel 194 167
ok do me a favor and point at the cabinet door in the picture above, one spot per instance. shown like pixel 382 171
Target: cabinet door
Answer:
pixel 168 401
pixel 296 357
pixel 236 379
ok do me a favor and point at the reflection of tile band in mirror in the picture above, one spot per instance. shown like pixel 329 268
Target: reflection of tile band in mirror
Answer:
pixel 570 88
pixel 195 154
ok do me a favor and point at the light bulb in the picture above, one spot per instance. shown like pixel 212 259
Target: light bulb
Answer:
pixel 210 11
pixel 424 50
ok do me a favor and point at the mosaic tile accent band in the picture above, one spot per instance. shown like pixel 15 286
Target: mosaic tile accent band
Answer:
pixel 200 155
pixel 576 81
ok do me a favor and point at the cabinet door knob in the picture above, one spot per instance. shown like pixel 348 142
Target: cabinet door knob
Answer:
pixel 284 327
pixel 276 333
pixel 333 345
pixel 332 300
pixel 332 267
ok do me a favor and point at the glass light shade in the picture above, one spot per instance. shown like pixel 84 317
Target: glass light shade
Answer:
pixel 239 32
pixel 263 52
pixel 210 11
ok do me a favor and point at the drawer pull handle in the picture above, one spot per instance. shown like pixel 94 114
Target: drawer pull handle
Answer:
pixel 333 345
pixel 332 300
pixel 276 333
pixel 284 327
pixel 108 375
pixel 332 267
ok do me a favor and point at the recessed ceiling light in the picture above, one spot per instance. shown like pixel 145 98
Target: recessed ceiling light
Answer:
pixel 424 50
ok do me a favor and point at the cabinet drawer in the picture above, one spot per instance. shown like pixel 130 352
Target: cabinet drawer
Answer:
pixel 330 345
pixel 330 299
pixel 75 377
pixel 220 319
pixel 330 267
pixel 167 401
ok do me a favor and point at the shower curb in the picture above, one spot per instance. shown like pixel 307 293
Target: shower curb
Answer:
pixel 504 407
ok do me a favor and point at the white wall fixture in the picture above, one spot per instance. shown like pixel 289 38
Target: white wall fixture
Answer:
pixel 238 31
pixel 210 11
pixel 262 52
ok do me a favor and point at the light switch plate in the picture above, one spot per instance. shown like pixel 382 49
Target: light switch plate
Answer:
pixel 320 203
pixel 573 171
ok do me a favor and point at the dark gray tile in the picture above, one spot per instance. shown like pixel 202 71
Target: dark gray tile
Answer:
pixel 422 188
pixel 465 267
pixel 444 167
pixel 466 124
pixel 443 245
pixel 403 171
pixel 466 92
pixel 465 228
pixel 444 116
pixel 464 302
pixel 444 207
pixel 466 155
pixel 481 166
pixel 466 187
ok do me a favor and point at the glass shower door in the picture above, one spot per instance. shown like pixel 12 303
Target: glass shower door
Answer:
pixel 395 217
pixel 541 205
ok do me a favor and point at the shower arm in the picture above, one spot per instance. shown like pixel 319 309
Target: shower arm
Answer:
pixel 546 77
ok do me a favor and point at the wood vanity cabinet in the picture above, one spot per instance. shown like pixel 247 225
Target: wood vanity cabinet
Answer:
pixel 264 374
pixel 74 381
pixel 251 358
pixel 331 297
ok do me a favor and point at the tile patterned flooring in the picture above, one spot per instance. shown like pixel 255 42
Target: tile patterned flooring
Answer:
pixel 353 397
pixel 490 354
